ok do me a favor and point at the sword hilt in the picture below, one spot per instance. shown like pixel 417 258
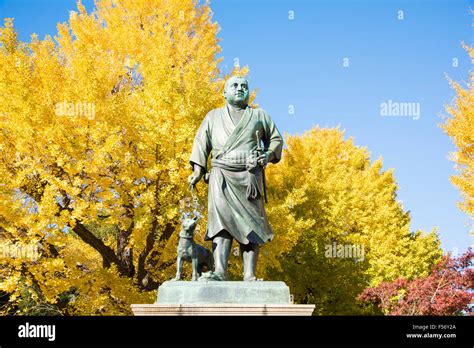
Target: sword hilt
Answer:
pixel 260 150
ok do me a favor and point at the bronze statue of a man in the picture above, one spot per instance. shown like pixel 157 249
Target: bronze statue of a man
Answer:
pixel 232 135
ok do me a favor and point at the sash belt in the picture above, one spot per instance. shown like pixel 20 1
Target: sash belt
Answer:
pixel 253 185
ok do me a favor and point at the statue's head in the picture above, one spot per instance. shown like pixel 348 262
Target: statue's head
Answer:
pixel 236 91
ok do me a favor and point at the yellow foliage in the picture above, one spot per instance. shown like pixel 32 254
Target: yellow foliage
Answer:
pixel 96 128
pixel 460 127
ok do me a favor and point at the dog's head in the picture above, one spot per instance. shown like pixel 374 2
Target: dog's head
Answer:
pixel 189 226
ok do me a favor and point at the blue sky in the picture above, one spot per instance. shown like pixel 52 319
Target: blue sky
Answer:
pixel 296 61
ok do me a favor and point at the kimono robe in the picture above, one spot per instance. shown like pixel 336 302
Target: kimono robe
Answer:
pixel 235 201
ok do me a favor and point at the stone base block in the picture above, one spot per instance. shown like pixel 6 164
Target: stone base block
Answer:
pixel 231 292
pixel 222 309
pixel 223 298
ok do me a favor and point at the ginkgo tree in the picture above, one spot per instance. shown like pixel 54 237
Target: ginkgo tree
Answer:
pixel 96 126
pixel 460 127
pixel 96 129
pixel 341 201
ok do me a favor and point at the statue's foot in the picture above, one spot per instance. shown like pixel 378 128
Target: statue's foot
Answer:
pixel 249 278
pixel 218 276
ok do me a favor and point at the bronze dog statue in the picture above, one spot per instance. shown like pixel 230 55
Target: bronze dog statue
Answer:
pixel 190 251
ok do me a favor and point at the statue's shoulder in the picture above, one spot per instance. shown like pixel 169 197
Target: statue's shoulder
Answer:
pixel 211 115
pixel 261 113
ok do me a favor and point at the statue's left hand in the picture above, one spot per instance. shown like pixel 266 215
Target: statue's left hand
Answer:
pixel 263 159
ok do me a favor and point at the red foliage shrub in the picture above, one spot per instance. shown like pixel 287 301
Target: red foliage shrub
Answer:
pixel 448 290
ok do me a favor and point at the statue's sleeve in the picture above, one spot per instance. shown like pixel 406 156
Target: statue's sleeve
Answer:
pixel 272 139
pixel 202 145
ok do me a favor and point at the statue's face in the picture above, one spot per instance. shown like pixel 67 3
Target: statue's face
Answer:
pixel 236 91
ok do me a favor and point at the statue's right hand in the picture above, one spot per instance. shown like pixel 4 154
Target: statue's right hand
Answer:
pixel 193 179
pixel 195 176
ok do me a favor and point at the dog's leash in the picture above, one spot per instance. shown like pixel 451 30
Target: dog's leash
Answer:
pixel 196 202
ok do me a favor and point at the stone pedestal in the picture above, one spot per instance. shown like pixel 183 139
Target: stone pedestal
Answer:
pixel 223 298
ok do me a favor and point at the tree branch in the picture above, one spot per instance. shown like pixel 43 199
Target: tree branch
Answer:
pixel 124 253
pixel 142 274
pixel 108 255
